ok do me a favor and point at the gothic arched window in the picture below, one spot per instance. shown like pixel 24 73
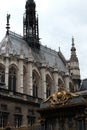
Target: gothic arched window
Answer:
pixel 2 74
pixel 48 86
pixel 48 91
pixel 12 78
pixel 35 90
pixel 60 83
pixel 35 87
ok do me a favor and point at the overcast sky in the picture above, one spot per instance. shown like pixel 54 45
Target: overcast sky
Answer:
pixel 59 20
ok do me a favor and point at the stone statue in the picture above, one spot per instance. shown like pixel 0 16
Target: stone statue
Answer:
pixel 8 17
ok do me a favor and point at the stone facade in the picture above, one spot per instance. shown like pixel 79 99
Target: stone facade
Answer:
pixel 29 71
pixel 27 68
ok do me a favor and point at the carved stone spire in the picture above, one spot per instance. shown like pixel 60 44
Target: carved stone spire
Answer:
pixel 73 52
pixel 74 67
pixel 30 25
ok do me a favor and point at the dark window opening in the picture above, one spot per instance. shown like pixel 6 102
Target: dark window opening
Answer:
pixel 17 120
pixel 35 90
pixel 30 112
pixel 31 120
pixel 3 119
pixel 12 79
pixel 17 110
pixel 2 74
pixel 81 125
pixel 48 91
pixel 35 87
pixel 4 107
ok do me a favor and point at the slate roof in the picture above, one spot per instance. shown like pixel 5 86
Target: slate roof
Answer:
pixel 14 43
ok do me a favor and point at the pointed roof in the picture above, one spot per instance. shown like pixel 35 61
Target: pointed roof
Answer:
pixel 12 44
pixel 6 44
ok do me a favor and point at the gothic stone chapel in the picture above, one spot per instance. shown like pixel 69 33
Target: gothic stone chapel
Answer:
pixel 31 72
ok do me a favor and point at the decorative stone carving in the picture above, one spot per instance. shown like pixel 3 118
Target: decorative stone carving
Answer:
pixel 61 97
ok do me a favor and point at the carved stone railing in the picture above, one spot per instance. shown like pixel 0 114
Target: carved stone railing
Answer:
pixel 20 96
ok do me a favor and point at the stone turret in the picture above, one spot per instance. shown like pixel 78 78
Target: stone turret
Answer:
pixel 74 67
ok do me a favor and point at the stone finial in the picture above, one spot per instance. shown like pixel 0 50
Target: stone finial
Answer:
pixel 7 25
pixel 73 45
pixel 59 49
pixel 72 40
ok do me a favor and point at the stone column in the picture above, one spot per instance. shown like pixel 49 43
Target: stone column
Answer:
pixel 24 118
pixel 43 78
pixel 55 75
pixel 21 73
pixel 67 81
pixel 30 81
pixel 29 73
pixel 7 71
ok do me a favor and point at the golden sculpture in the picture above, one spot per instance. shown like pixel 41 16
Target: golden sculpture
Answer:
pixel 61 97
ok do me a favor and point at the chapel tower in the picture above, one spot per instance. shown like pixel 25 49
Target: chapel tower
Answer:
pixel 74 67
pixel 30 25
